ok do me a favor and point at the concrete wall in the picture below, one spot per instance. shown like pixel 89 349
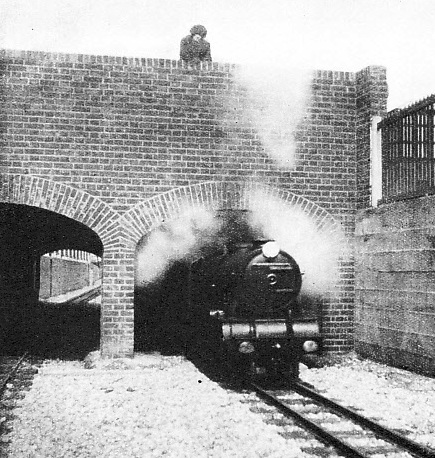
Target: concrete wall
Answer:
pixel 395 284
pixel 116 143
pixel 60 276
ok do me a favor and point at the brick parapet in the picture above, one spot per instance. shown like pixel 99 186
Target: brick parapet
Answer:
pixel 36 57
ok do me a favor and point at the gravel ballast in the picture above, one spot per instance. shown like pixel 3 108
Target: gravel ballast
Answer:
pixel 395 398
pixel 151 406
pixel 162 406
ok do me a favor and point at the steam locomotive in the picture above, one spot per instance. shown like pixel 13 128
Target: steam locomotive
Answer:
pixel 248 296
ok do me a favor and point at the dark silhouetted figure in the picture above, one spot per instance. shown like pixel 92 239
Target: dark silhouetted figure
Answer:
pixel 194 48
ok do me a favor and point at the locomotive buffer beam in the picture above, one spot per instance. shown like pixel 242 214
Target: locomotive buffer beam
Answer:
pixel 270 329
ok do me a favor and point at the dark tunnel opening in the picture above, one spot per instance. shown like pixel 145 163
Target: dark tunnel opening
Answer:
pixel 52 328
pixel 163 316
pixel 160 312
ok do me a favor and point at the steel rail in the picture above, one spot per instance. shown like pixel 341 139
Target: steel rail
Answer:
pixel 411 446
pixel 11 373
pixel 414 448
pixel 320 433
pixel 324 436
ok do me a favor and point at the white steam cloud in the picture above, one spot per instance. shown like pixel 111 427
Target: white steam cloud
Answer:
pixel 276 103
pixel 179 239
pixel 317 253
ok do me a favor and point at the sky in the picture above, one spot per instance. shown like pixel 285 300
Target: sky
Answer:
pixel 339 35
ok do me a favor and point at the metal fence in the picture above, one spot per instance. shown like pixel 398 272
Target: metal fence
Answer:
pixel 408 161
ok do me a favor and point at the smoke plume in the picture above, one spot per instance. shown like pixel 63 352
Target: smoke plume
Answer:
pixel 179 239
pixel 275 104
pixel 316 252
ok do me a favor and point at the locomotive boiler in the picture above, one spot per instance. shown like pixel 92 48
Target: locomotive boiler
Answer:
pixel 248 296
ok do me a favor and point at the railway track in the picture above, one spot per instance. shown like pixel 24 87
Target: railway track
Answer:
pixel 349 433
pixel 18 368
pixel 16 376
pixel 324 427
pixel 8 368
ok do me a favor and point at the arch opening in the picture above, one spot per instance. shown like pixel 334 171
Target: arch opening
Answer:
pixel 164 255
pixel 33 321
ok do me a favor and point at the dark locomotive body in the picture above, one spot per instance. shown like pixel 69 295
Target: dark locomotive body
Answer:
pixel 247 297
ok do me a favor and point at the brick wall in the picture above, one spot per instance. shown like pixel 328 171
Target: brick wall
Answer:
pixel 119 132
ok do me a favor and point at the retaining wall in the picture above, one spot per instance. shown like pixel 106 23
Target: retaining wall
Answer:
pixel 395 284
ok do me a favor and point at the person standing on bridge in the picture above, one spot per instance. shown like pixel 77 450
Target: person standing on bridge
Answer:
pixel 194 48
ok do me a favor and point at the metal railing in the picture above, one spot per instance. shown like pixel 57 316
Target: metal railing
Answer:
pixel 408 161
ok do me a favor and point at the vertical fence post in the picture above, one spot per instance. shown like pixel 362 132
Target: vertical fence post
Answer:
pixel 375 162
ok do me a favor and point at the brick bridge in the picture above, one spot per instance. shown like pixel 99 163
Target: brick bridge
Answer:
pixel 120 145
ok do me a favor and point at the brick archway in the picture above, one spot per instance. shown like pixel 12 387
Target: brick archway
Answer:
pixel 62 199
pixel 79 206
pixel 214 195
pixel 152 213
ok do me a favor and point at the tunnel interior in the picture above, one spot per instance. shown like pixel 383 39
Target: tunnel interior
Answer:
pixel 161 312
pixel 27 233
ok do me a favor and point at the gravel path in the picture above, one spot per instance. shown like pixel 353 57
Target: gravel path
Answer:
pixel 156 406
